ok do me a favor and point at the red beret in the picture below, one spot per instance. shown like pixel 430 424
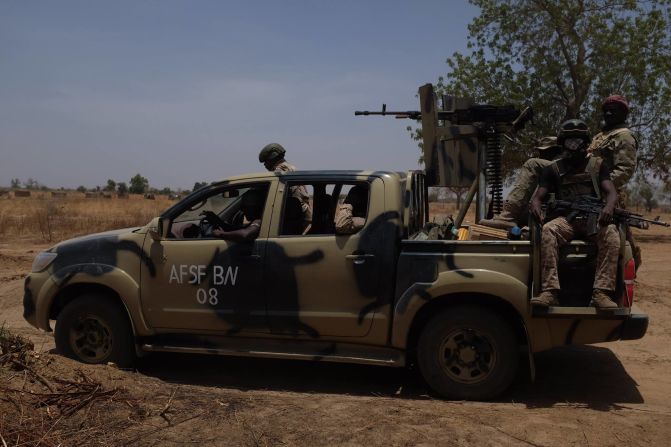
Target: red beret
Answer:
pixel 616 99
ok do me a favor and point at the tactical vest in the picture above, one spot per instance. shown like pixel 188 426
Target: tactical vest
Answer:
pixel 574 184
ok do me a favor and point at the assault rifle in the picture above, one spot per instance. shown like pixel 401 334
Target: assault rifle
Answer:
pixel 590 207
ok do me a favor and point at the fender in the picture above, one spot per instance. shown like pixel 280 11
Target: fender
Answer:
pixel 453 282
pixel 113 278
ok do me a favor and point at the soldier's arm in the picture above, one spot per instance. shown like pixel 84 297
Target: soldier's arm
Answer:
pixel 624 159
pixel 345 223
pixel 547 180
pixel 248 233
pixel 608 187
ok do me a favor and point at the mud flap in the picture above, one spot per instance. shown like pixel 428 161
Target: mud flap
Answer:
pixel 530 353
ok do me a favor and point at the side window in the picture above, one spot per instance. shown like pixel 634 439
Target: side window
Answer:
pixel 220 207
pixel 319 208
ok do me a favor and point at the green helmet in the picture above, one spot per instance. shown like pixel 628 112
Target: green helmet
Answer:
pixel 271 152
pixel 573 128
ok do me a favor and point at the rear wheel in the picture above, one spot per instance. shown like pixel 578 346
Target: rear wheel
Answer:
pixel 468 353
pixel 95 329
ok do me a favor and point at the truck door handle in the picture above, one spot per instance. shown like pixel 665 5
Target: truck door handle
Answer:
pixel 359 259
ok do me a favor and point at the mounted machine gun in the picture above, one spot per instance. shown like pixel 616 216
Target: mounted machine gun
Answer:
pixel 462 144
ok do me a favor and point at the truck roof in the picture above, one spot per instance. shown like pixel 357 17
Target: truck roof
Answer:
pixel 327 173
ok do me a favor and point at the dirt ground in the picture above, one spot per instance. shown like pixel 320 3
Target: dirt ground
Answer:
pixel 611 394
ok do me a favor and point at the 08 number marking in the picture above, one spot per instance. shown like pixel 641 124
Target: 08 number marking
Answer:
pixel 204 296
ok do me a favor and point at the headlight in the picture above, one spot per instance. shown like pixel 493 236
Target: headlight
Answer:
pixel 42 261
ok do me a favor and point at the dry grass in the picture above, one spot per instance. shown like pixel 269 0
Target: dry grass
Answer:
pixel 46 219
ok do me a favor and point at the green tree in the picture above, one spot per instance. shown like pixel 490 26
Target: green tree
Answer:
pixel 647 194
pixel 122 188
pixel 81 188
pixel 198 185
pixel 15 183
pixel 564 57
pixel 111 185
pixel 138 184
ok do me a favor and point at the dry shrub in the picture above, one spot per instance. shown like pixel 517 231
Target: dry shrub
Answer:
pixel 43 407
pixel 52 219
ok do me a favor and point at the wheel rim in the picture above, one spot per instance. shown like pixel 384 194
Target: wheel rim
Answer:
pixel 91 338
pixel 467 355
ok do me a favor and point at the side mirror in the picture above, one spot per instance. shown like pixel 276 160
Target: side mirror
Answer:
pixel 156 232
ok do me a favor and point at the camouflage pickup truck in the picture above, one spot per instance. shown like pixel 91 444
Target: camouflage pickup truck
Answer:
pixel 459 309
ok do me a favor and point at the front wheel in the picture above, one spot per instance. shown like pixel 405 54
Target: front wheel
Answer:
pixel 468 353
pixel 95 329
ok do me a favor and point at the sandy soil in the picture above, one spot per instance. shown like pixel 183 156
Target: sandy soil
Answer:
pixel 611 394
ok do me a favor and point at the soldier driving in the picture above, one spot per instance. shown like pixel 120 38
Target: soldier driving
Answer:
pixel 251 205
pixel 272 157
pixel 570 177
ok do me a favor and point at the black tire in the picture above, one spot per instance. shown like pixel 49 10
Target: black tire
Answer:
pixel 95 329
pixel 468 353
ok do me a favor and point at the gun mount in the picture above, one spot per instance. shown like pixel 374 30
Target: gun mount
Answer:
pixel 462 143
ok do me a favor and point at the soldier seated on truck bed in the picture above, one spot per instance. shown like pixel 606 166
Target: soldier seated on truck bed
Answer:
pixel 572 176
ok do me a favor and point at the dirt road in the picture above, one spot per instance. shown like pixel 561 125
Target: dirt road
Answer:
pixel 613 394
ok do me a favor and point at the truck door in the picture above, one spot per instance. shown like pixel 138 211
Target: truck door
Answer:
pixel 319 283
pixel 204 283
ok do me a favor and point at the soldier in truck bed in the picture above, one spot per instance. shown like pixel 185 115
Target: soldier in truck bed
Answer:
pixel 616 144
pixel 515 208
pixel 572 176
pixel 272 157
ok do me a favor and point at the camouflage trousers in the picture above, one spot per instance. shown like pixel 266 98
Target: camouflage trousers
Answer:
pixel 523 188
pixel 559 232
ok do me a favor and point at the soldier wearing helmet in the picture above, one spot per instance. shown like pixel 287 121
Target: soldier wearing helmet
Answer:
pixel 515 207
pixel 574 175
pixel 272 157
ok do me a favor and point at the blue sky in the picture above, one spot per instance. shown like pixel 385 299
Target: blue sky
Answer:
pixel 185 91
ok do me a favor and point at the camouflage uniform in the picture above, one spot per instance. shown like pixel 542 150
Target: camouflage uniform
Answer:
pixel 515 208
pixel 617 146
pixel 517 203
pixel 560 231
pixel 345 222
pixel 350 217
pixel 299 191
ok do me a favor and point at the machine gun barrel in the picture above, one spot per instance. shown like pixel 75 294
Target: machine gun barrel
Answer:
pixel 412 114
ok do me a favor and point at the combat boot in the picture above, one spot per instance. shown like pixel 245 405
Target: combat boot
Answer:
pixel 546 298
pixel 504 221
pixel 601 300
